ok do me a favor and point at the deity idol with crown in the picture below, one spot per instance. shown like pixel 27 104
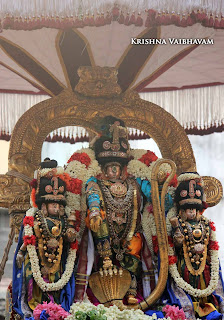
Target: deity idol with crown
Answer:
pixel 46 252
pixel 113 243
pixel 196 282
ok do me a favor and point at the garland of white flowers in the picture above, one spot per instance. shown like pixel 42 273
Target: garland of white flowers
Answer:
pixel 35 265
pixel 77 202
pixel 111 313
pixel 214 269
pixel 140 170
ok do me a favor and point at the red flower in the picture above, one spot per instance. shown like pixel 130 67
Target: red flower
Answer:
pixel 78 220
pixel 170 241
pixel 148 158
pixel 155 244
pixel 29 240
pixel 150 208
pixel 173 182
pixel 75 186
pixel 81 157
pixel 29 221
pixel 172 259
pixel 74 245
pixel 212 226
pixel 33 183
pixel 213 245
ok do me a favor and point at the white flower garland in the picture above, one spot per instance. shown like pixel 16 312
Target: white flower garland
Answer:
pixel 44 172
pixel 140 170
pixel 112 313
pixel 189 176
pixel 137 153
pixel 35 264
pixel 78 170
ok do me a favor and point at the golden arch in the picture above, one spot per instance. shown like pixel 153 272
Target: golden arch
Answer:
pixel 80 108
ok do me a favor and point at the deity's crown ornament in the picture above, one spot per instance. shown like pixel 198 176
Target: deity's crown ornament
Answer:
pixel 112 145
pixel 50 187
pixel 189 193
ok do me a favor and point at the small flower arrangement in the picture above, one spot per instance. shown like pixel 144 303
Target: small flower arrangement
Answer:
pixel 50 311
pixel 174 312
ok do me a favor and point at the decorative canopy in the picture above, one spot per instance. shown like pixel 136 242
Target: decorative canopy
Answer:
pixel 43 43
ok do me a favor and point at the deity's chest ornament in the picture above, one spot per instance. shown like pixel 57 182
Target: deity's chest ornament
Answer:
pixel 50 232
pixel 120 201
pixel 196 238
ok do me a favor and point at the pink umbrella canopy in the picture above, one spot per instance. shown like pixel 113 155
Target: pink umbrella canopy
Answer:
pixel 155 45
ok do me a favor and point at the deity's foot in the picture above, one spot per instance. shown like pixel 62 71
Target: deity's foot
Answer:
pixel 132 299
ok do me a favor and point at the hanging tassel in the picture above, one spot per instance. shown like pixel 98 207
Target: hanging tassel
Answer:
pixel 174 19
pixel 126 21
pixel 132 19
pixel 163 19
pixel 190 21
pixel 216 24
pixel 221 25
pixel 98 21
pixel 211 21
pixel 139 21
pixel 108 18
pixel 150 20
pixel 6 24
pixel 115 13
pixel 183 22
pixel 121 18
pixel 158 20
pixel 86 20
pixel 92 20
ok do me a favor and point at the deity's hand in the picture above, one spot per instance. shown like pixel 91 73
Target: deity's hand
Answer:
pixel 95 223
pixel 70 234
pixel 19 259
pixel 107 263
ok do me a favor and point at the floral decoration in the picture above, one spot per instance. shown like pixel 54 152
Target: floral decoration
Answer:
pixel 75 186
pixel 28 221
pixel 174 312
pixel 148 158
pixel 81 157
pixel 172 259
pixel 51 310
pixel 212 225
pixel 30 241
pixel 84 309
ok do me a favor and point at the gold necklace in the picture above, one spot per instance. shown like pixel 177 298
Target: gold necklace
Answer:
pixel 56 230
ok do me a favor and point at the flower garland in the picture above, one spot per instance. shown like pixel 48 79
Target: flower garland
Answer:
pixel 190 176
pixel 111 313
pixel 142 164
pixel 35 265
pixel 81 166
pixel 49 310
pixel 214 268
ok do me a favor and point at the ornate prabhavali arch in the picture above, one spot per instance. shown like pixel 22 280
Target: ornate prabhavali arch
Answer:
pixel 96 95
